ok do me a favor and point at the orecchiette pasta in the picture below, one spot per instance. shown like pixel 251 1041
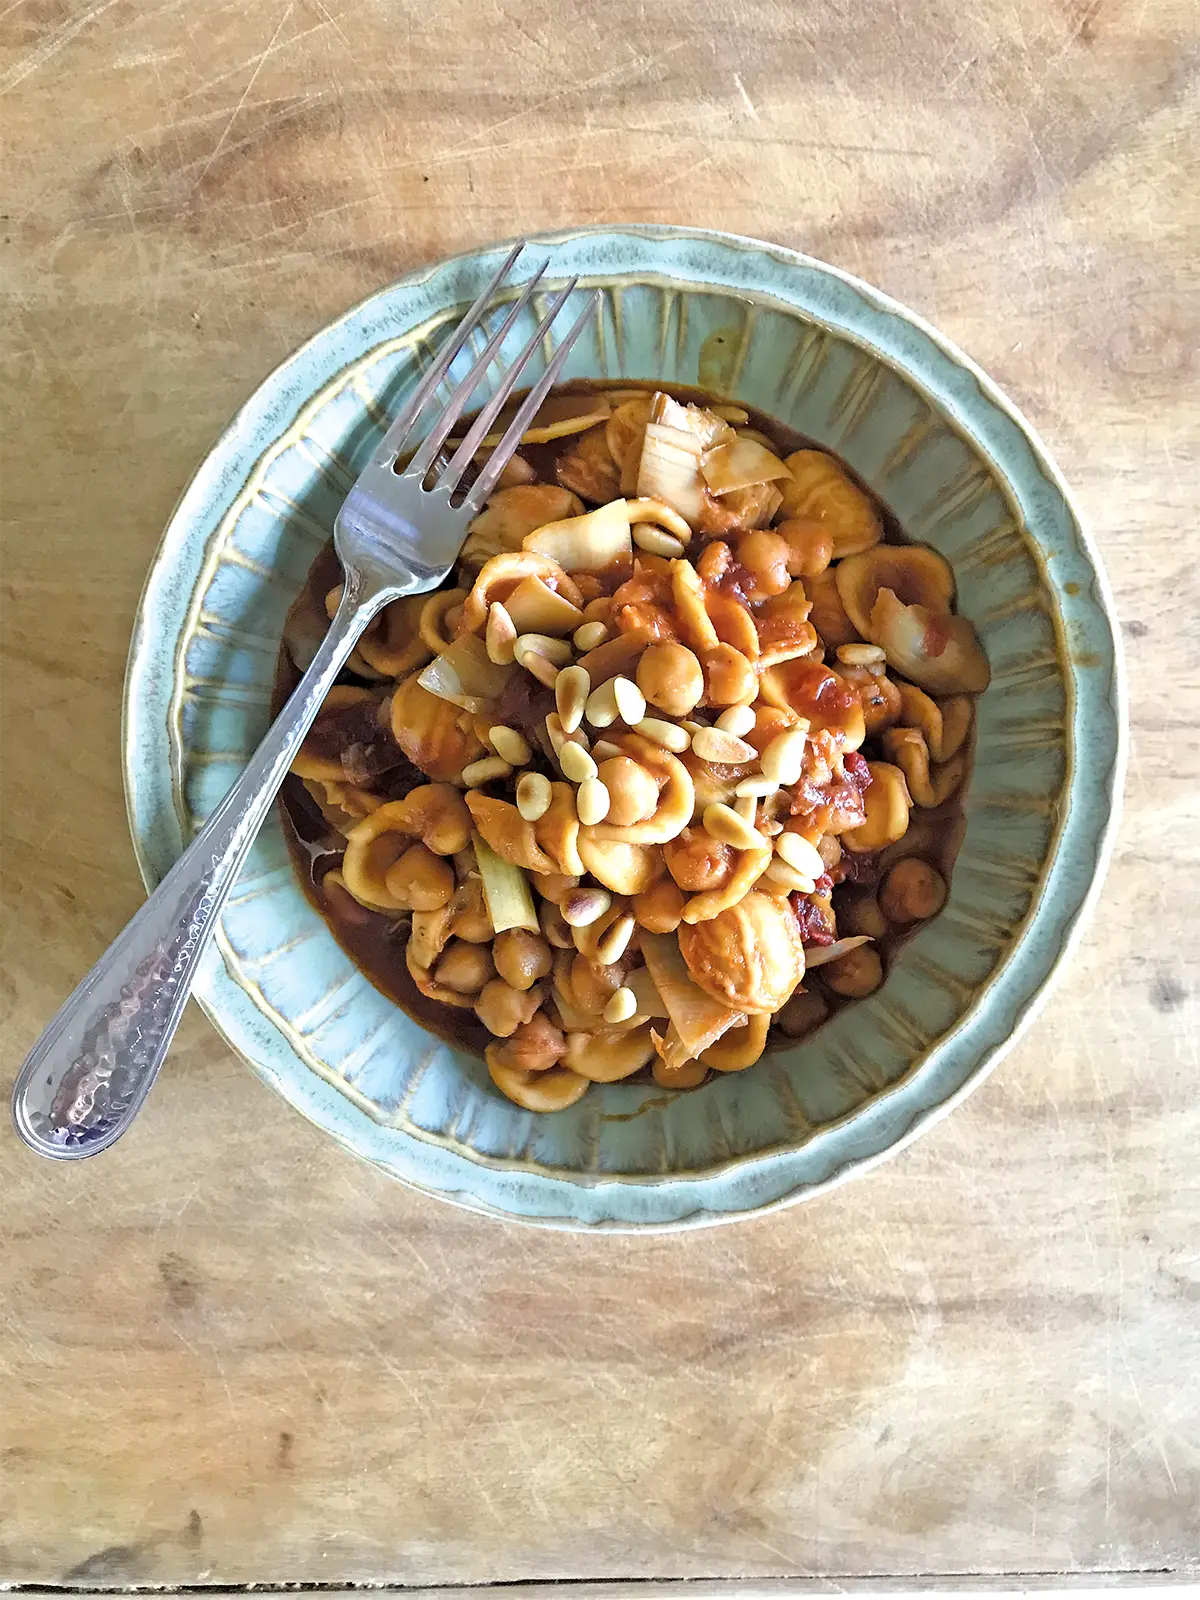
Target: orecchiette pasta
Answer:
pixel 632 792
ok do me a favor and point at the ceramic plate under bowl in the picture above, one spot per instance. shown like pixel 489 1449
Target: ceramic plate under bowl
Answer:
pixel 962 471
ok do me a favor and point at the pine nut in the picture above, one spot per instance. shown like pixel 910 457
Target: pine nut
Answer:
pixel 571 690
pixel 541 644
pixel 590 634
pixel 581 907
pixel 711 744
pixel 622 1004
pixel 575 762
pixel 540 668
pixel 738 720
pixel 631 702
pixel 510 746
pixel 746 807
pixel 591 801
pixel 488 770
pixel 668 734
pixel 555 731
pixel 558 737
pixel 655 542
pixel 759 788
pixel 533 795
pixel 501 635
pixel 783 758
pixel 723 824
pixel 614 941
pixel 605 750
pixel 779 872
pixel 860 655
pixel 797 852
pixel 601 709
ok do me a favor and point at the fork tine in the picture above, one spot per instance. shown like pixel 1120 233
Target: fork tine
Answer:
pixel 456 405
pixel 398 431
pixel 481 426
pixel 498 460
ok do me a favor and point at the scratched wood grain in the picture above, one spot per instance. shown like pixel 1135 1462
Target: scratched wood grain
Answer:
pixel 231 1353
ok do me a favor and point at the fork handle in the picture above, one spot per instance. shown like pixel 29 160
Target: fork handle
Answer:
pixel 85 1079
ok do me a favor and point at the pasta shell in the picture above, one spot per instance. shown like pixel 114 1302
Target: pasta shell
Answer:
pixel 589 469
pixel 936 650
pixel 740 1047
pixel 506 831
pixel 510 514
pixel 427 730
pixel 626 869
pixel 915 574
pixel 928 785
pixel 945 725
pixel 749 956
pixel 396 646
pixel 502 574
pixel 820 489
pixel 676 798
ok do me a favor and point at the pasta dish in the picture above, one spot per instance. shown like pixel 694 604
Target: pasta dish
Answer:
pixel 666 769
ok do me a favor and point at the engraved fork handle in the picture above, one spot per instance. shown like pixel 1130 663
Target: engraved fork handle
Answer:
pixel 85 1079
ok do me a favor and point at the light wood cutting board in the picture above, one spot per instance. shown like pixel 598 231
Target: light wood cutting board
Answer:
pixel 233 1355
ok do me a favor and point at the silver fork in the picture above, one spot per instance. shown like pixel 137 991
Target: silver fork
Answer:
pixel 85 1079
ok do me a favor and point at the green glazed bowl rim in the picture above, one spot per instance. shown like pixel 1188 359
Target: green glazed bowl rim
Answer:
pixel 1078 855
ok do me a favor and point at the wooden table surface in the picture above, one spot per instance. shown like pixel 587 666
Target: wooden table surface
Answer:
pixel 231 1353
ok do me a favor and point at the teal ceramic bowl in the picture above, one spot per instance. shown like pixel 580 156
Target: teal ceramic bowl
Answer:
pixel 960 468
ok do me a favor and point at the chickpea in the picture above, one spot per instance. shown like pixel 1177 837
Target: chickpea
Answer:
pixel 465 968
pixel 521 957
pixel 697 861
pixel 810 546
pixel 420 880
pixel 536 1046
pixel 805 1011
pixel 765 557
pixel 671 678
pixel 860 913
pixel 593 984
pixel 886 806
pixel 660 909
pixel 912 891
pixel 502 1009
pixel 729 679
pixel 855 974
pixel 632 792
